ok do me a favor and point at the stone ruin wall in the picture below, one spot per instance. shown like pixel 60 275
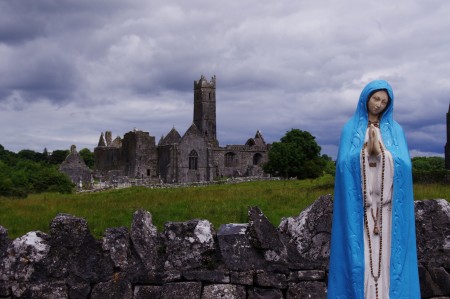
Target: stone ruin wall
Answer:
pixel 135 157
pixel 192 260
pixel 139 157
pixel 244 165
pixel 193 140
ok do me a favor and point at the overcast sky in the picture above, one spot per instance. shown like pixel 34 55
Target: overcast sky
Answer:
pixel 72 69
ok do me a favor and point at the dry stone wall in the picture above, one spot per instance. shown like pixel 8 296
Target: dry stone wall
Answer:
pixel 193 260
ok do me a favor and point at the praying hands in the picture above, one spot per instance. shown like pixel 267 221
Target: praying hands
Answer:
pixel 373 144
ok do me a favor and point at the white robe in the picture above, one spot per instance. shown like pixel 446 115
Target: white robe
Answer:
pixel 373 177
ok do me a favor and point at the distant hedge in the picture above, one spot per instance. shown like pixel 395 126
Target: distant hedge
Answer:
pixel 27 172
pixel 431 176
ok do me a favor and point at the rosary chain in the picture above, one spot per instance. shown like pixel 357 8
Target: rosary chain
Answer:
pixel 383 165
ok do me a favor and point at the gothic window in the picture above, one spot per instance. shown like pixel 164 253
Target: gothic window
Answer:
pixel 230 159
pixel 193 160
pixel 257 159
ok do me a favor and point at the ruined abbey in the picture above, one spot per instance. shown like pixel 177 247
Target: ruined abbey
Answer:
pixel 195 156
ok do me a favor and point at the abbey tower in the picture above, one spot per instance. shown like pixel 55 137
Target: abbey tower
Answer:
pixel 205 108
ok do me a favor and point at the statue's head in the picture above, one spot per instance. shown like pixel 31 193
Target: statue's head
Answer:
pixel 377 102
pixel 376 90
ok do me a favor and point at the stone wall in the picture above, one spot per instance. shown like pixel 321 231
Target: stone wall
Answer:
pixel 193 260
pixel 135 157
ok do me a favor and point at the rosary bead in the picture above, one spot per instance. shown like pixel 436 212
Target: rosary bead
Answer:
pixel 376 230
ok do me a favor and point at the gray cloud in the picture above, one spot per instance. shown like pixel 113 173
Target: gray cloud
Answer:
pixel 71 69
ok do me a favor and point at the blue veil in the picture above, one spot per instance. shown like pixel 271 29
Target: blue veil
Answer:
pixel 346 273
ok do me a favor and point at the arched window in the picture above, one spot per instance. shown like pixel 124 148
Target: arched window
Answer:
pixel 230 159
pixel 193 160
pixel 257 158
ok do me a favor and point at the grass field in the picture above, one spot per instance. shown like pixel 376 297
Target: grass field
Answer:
pixel 218 203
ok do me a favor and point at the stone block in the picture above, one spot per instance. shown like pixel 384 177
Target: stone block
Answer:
pixel 117 242
pixel 78 288
pixel 147 292
pixel 181 290
pixel 171 276
pixel 272 280
pixel 5 289
pixel 296 276
pixel 259 293
pixel 262 234
pixel 307 289
pixel 244 278
pixel 434 282
pixel 189 244
pixel 223 291
pixel 24 256
pixel 237 252
pixel 442 278
pixel 308 235
pixel 216 276
pixel 118 287
pixel 74 251
pixel 54 289
pixel 433 232
pixel 144 237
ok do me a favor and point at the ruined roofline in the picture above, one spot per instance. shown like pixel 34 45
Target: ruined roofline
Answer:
pixel 202 83
pixel 259 135
pixel 101 141
pixel 193 130
pixel 172 137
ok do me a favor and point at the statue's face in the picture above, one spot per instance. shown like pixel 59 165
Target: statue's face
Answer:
pixel 377 102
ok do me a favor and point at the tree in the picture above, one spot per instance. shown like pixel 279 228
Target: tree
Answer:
pixel 58 156
pixel 296 155
pixel 6 156
pixel 31 155
pixel 45 155
pixel 428 163
pixel 330 166
pixel 26 172
pixel 429 169
pixel 88 157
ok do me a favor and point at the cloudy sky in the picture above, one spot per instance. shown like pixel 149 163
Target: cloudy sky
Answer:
pixel 72 69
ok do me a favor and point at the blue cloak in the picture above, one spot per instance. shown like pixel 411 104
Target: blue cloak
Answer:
pixel 346 273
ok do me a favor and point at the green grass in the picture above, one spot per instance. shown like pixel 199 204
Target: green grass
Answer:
pixel 432 191
pixel 218 203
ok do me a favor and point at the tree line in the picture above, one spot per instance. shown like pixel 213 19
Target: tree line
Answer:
pixel 298 155
pixel 28 172
pixel 429 170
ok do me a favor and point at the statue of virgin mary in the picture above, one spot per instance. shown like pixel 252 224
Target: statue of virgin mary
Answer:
pixel 373 241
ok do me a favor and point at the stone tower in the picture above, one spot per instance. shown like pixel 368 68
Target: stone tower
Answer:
pixel 447 145
pixel 205 108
